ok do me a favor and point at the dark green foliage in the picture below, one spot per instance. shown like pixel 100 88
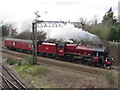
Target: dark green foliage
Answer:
pixel 28 35
pixel 4 30
pixel 113 34
pixel 11 61
pixel 41 35
pixel 118 33
pixel 30 60
pixel 19 63
pixel 108 18
pixel 24 35
pixel 111 22
pixel 108 30
pixel 7 30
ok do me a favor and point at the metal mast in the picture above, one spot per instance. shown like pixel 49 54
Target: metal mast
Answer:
pixel 34 37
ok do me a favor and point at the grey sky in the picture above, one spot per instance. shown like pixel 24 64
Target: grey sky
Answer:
pixel 23 10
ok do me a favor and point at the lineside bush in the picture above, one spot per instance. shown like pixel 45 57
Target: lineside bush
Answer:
pixel 11 61
pixel 29 60
pixel 19 63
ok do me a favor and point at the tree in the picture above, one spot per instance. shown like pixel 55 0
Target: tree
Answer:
pixel 109 18
pixel 4 30
pixel 28 35
pixel 107 30
pixel 7 29
pixel 41 35
pixel 113 34
pixel 24 35
pixel 83 23
pixel 118 34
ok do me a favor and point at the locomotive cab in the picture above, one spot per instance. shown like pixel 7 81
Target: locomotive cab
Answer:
pixel 61 48
pixel 39 42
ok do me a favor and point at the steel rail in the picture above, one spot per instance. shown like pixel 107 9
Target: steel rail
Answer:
pixel 2 87
pixel 8 82
pixel 61 64
pixel 10 73
pixel 11 53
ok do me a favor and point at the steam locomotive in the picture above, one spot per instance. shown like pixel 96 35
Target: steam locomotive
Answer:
pixel 94 55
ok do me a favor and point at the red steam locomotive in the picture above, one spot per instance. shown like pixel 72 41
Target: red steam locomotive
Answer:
pixel 98 56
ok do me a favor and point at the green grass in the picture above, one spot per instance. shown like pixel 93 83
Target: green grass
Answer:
pixel 33 70
pixel 111 77
pixel 31 73
pixel 29 60
pixel 19 63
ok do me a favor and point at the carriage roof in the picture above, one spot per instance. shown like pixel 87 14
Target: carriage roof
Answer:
pixel 20 40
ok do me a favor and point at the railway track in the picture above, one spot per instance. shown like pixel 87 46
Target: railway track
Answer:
pixel 60 64
pixel 9 80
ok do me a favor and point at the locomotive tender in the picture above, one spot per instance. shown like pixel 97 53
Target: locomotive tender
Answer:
pixel 90 54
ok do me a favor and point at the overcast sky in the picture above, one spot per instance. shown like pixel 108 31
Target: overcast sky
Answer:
pixel 56 9
pixel 22 11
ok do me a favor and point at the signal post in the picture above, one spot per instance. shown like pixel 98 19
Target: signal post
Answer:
pixel 34 37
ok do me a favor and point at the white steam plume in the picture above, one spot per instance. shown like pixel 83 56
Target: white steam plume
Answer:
pixel 68 32
pixel 19 25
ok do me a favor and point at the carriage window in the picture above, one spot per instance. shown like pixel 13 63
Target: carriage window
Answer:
pixel 14 43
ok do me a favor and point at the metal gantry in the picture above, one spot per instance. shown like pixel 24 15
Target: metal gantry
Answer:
pixel 56 23
pixel 45 24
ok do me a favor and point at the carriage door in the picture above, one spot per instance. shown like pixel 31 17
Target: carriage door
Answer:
pixel 61 49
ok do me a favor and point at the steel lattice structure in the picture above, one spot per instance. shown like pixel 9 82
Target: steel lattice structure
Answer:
pixel 56 23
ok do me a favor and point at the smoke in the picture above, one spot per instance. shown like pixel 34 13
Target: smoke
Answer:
pixel 20 25
pixel 24 25
pixel 68 32
pixel 8 22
